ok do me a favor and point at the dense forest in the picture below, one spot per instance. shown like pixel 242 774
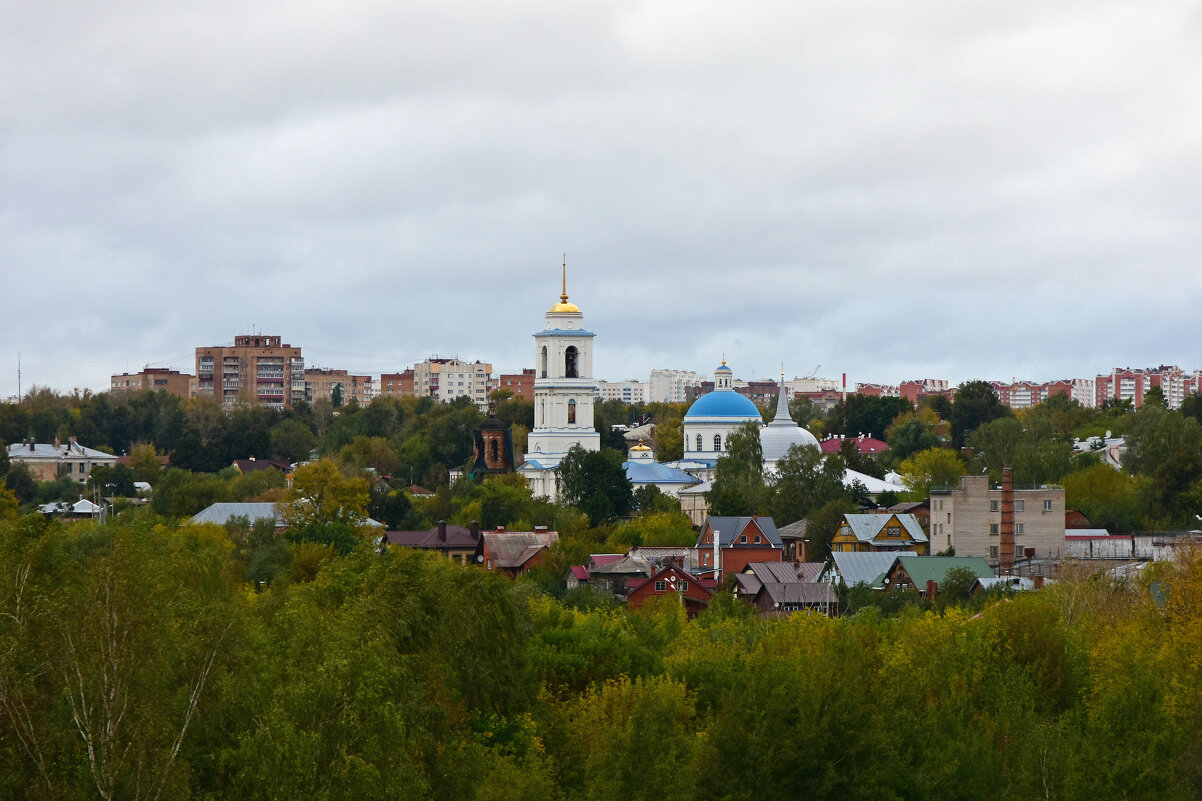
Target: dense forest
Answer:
pixel 136 662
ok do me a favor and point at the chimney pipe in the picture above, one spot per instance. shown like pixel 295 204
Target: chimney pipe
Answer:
pixel 932 590
pixel 1037 582
pixel 1006 551
pixel 475 530
pixel 442 530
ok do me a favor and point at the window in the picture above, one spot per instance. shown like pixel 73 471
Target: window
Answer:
pixel 698 442
pixel 496 450
pixel 993 506
pixel 757 539
pixel 993 529
pixel 742 539
pixel 993 552
pixel 543 363
pixel 1047 506
pixel 684 586
pixel 949 517
pixel 893 531
pixel 70 467
pixel 661 586
pixel 717 442
pixel 572 411
pixel 1018 505
pixel 1018 528
pixel 569 362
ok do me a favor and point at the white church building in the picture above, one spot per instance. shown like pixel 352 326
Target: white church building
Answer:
pixel 564 390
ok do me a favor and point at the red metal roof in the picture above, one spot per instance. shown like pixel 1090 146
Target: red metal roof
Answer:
pixel 865 445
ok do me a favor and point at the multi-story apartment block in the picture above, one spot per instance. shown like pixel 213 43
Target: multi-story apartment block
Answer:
pixel 629 391
pixel 1125 383
pixel 878 390
pixel 969 519
pixel 448 379
pixel 397 385
pixel 257 368
pixel 321 384
pixel 520 384
pixel 916 390
pixel 171 381
pixel 672 386
pixel 1025 394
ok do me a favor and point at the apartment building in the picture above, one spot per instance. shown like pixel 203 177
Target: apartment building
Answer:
pixel 321 383
pixel 920 388
pixel 672 386
pixel 448 379
pixel 1125 383
pixel 520 384
pixel 969 518
pixel 397 385
pixel 170 381
pixel 629 391
pixel 1025 394
pixel 257 368
pixel 878 390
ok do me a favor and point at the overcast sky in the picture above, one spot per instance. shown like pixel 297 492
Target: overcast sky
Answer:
pixel 891 190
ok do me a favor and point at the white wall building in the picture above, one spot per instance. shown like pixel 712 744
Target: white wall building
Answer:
pixel 629 391
pixel 448 379
pixel 671 386
pixel 712 417
pixel 564 391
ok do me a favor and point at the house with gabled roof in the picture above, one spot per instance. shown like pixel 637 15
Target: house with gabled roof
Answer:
pixel 879 532
pixel 729 544
pixel 775 598
pixel 921 572
pixel 514 552
pixel 860 567
pixel 455 543
pixel 693 591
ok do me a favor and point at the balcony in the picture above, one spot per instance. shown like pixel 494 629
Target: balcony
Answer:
pixel 229 384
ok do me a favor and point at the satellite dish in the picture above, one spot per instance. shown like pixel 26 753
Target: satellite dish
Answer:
pixel 1108 433
pixel 479 557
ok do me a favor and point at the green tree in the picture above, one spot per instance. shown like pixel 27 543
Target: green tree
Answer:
pixel 293 440
pixel 739 481
pixel 20 481
pixel 803 483
pixel 866 415
pixel 595 483
pixel 974 404
pixel 5 462
pixel 912 432
pixel 321 494
pixel 934 467
pixel 144 462
pixel 1036 453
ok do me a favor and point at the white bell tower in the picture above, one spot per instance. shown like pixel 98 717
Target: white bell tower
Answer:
pixel 564 390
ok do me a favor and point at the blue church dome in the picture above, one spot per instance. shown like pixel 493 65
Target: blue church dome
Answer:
pixel 724 403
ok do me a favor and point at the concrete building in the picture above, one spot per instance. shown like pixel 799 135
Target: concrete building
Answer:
pixel 48 461
pixel 173 382
pixel 628 391
pixel 320 383
pixel 672 386
pixel 1125 383
pixel 969 518
pixel 564 393
pixel 448 379
pixel 257 368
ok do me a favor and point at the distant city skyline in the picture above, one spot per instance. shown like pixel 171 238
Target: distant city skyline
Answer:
pixel 891 191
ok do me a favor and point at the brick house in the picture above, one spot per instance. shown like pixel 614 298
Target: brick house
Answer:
pixel 693 592
pixel 740 541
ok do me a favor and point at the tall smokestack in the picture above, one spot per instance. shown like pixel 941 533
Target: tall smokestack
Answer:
pixel 1007 528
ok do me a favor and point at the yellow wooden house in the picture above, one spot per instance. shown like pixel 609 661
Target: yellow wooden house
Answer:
pixel 879 532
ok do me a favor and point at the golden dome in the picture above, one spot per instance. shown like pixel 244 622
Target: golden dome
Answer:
pixel 563 305
pixel 640 446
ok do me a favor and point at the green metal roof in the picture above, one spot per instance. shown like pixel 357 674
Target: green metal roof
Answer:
pixel 922 569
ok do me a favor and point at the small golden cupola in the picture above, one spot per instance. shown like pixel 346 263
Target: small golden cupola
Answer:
pixel 564 306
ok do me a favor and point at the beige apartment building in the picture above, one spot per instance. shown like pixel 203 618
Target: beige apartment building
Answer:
pixel 257 368
pixel 448 379
pixel 321 383
pixel 171 381
pixel 969 519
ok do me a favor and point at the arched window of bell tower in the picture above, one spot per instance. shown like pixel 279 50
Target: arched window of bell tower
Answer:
pixel 542 368
pixel 570 358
